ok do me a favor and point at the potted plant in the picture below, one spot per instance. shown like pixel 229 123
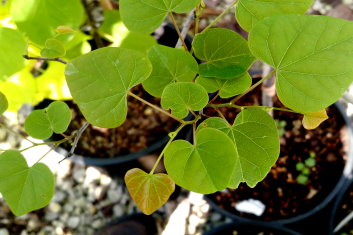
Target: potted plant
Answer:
pixel 312 69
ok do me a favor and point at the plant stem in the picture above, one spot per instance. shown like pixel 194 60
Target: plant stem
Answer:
pixel 78 136
pixel 221 15
pixel 172 137
pixel 221 114
pixel 91 22
pixel 230 105
pixel 252 87
pixel 155 107
pixel 53 147
pixel 16 133
pixel 106 5
pixel 44 58
pixel 186 26
pixel 178 31
pixel 58 142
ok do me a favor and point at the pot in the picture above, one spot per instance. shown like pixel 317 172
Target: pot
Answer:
pixel 297 220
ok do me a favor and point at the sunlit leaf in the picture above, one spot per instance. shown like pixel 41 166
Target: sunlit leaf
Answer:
pixel 3 103
pixel 249 12
pixel 169 65
pixel 182 97
pixel 227 88
pixel 64 29
pixel 100 80
pixel 149 192
pixel 52 83
pixel 24 188
pixel 114 29
pixel 53 49
pixel 313 60
pixel 147 15
pixel 256 140
pixel 41 124
pixel 226 53
pixel 12 49
pixel 314 119
pixel 205 167
pixel 38 19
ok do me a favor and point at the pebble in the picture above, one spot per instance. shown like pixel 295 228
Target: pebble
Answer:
pixel 68 207
pixel 4 231
pixel 79 175
pixel 59 196
pixel 54 207
pixel 97 224
pixel 118 211
pixel 73 222
pixel 114 195
pixel 92 175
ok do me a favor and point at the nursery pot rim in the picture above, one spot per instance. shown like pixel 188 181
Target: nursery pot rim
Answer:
pixel 260 224
pixel 347 172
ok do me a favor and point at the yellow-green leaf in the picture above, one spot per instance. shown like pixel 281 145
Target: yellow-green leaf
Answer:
pixel 149 192
pixel 314 119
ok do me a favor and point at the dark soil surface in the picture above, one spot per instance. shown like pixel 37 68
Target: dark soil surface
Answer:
pixel 143 127
pixel 280 192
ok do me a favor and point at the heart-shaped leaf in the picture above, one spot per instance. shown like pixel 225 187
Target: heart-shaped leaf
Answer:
pixel 256 140
pixel 53 49
pixel 313 120
pixel 147 15
pixel 114 30
pixel 24 188
pixel 227 88
pixel 12 47
pixel 169 65
pixel 204 168
pixel 100 80
pixel 149 192
pixel 42 123
pixel 3 103
pixel 181 97
pixel 249 12
pixel 313 61
pixel 226 53
pixel 38 19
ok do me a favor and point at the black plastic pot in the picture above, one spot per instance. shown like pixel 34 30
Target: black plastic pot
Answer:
pixel 254 227
pixel 307 219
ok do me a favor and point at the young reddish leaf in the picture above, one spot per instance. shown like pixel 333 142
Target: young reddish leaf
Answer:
pixel 149 192
pixel 314 119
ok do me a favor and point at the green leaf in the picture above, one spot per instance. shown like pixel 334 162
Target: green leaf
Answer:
pixel 12 47
pixel 19 89
pixel 169 65
pixel 41 124
pixel 313 60
pixel 3 103
pixel 38 19
pixel 100 80
pixel 53 49
pixel 256 140
pixel 249 12
pixel 75 43
pixel 115 31
pixel 52 84
pixel 149 192
pixel 227 88
pixel 182 97
pixel 24 188
pixel 203 168
pixel 145 16
pixel 226 53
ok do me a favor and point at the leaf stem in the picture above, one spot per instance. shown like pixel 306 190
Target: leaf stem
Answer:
pixel 252 87
pixel 155 107
pixel 172 137
pixel 221 15
pixel 230 105
pixel 78 136
pixel 44 58
pixel 53 147
pixel 16 133
pixel 178 31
